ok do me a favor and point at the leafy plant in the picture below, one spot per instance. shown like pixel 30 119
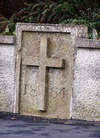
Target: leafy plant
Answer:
pixel 7 26
pixel 91 19
pixel 61 11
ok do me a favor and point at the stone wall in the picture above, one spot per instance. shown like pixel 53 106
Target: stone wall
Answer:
pixel 82 54
pixel 7 74
pixel 86 89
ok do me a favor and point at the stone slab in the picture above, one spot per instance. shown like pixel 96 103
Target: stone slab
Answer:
pixel 7 77
pixel 86 89
pixel 58 81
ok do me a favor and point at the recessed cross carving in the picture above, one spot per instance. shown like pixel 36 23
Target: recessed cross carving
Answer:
pixel 43 62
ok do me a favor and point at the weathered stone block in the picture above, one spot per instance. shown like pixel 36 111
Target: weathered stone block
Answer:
pixel 44 69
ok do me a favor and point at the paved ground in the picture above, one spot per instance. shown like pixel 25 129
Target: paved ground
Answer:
pixel 25 127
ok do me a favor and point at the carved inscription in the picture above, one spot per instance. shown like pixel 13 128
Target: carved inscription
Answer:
pixel 34 92
pixel 57 91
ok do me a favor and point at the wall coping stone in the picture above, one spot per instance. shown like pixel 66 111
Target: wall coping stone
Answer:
pixel 87 43
pixel 5 39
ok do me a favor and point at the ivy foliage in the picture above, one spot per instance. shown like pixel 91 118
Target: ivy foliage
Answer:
pixel 63 12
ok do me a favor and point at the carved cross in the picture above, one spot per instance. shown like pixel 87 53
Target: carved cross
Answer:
pixel 43 62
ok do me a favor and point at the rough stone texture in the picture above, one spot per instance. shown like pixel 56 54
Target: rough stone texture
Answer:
pixel 86 90
pixel 59 81
pixel 43 62
pixel 4 39
pixel 87 43
pixel 7 73
pixel 75 30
